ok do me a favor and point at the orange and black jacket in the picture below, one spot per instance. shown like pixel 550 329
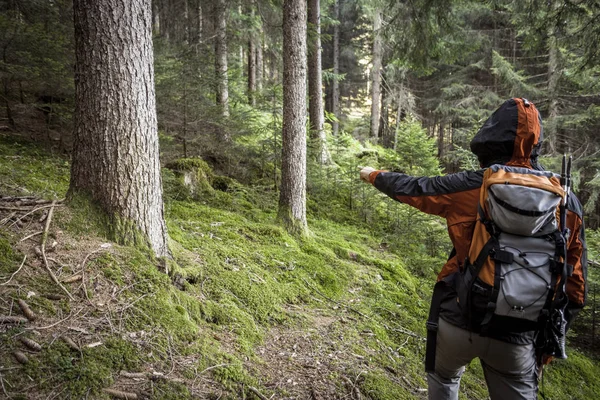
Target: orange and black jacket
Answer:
pixel 511 136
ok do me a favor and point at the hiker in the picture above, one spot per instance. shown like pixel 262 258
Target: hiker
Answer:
pixel 503 339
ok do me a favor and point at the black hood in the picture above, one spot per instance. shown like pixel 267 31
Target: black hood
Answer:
pixel 511 135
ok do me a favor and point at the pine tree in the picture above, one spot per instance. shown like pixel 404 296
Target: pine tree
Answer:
pixel 115 155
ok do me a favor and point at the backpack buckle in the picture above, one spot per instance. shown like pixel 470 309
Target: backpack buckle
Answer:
pixel 503 256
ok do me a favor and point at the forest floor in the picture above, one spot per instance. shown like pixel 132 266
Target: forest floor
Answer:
pixel 245 311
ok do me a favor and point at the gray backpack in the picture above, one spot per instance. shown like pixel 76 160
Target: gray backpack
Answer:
pixel 517 251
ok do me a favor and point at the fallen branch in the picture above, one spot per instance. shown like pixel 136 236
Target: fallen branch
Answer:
pixel 257 393
pixel 5 220
pixel 42 248
pixel 15 273
pixel 36 328
pixel 33 211
pixel 30 236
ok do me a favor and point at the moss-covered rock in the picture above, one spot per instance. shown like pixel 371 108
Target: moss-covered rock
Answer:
pixel 193 173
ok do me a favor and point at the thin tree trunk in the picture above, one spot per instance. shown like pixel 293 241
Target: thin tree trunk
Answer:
pixel 199 23
pixel 251 71
pixel 221 56
pixel 115 153
pixel 315 84
pixel 260 65
pixel 335 100
pixel 441 143
pixel 376 73
pixel 186 22
pixel 554 73
pixel 292 199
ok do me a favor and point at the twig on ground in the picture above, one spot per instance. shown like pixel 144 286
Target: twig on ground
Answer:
pixel 82 267
pixel 15 273
pixel 3 388
pixel 213 367
pixel 30 236
pixel 42 248
pixel 8 218
pixel 54 324
pixel 257 393
pixel 54 204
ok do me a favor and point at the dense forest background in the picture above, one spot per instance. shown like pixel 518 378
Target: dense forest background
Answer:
pixel 276 252
pixel 444 64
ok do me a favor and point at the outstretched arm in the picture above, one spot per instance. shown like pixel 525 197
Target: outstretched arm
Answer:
pixel 433 195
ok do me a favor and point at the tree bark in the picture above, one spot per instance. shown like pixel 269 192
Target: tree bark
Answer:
pixel 260 65
pixel 315 84
pixel 115 153
pixel 554 73
pixel 251 71
pixel 292 199
pixel 376 73
pixel 335 98
pixel 221 57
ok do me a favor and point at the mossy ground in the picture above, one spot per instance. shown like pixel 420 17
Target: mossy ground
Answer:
pixel 245 304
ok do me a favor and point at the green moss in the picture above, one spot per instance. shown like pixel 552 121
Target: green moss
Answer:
pixel 27 168
pixel 84 217
pixel 9 260
pixel 190 164
pixel 125 232
pixel 224 183
pixel 379 387
pixel 80 375
pixel 169 390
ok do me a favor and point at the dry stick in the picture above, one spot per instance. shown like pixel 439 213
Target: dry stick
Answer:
pixel 15 273
pixel 213 367
pixel 5 220
pixel 43 248
pixel 257 393
pixel 35 328
pixel 34 210
pixel 30 236
pixel 3 388
pixel 83 272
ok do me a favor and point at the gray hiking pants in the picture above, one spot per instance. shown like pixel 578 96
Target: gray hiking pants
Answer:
pixel 510 370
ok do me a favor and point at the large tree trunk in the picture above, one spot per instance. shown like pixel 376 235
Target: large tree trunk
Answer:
pixel 115 153
pixel 221 56
pixel 292 199
pixel 315 84
pixel 376 73
pixel 335 98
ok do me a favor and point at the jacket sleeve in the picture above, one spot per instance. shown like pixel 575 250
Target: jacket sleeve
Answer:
pixel 432 195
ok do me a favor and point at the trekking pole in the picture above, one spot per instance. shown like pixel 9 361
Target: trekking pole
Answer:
pixel 558 314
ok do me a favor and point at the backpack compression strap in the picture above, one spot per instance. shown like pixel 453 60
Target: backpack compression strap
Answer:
pixel 432 325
